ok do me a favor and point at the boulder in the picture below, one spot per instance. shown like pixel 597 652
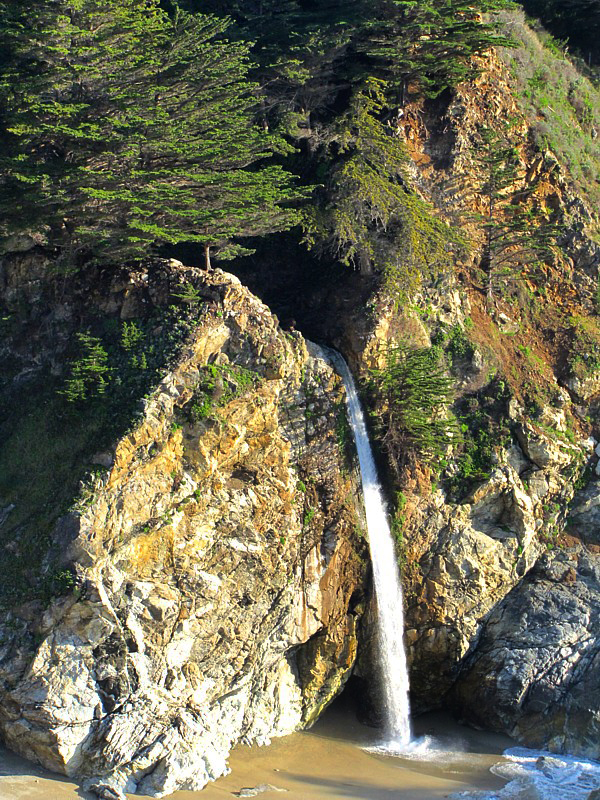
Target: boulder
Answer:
pixel 535 672
pixel 218 568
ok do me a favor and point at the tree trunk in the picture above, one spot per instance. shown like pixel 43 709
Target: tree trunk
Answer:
pixel 207 263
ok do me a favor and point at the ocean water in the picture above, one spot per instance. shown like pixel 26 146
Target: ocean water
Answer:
pixel 539 775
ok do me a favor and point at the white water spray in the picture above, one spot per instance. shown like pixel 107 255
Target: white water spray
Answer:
pixel 388 589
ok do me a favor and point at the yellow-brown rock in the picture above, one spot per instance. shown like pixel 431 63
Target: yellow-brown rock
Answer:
pixel 218 569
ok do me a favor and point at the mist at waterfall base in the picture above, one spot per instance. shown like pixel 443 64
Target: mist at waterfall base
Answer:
pixel 532 775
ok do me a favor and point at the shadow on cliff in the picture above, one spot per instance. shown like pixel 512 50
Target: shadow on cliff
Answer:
pixel 323 299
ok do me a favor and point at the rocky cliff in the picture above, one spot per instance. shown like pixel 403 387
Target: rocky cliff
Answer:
pixel 499 547
pixel 215 569
pixel 497 542
pixel 217 564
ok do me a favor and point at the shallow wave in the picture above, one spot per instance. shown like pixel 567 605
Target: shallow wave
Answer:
pixel 538 775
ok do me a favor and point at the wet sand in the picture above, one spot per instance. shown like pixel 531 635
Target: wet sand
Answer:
pixel 325 762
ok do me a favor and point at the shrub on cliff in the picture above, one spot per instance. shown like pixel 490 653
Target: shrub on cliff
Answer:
pixel 413 393
pixel 125 127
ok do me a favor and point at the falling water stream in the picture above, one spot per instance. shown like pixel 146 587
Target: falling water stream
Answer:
pixel 388 589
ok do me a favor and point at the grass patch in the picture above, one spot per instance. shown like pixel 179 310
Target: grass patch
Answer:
pixel 562 105
pixel 584 350
pixel 217 386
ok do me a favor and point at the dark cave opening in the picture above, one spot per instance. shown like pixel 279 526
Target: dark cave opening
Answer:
pixel 323 299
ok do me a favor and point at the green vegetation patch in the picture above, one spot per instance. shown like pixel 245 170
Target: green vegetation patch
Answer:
pixel 217 386
pixel 563 105
pixel 584 352
pixel 51 427
pixel 412 395
pixel 455 343
pixel 370 217
pixel 482 418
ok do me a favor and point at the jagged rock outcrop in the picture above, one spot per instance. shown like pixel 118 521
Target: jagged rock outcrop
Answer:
pixel 534 673
pixel 466 557
pixel 218 571
pixel 584 515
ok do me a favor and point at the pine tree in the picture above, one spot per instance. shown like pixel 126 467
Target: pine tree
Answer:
pixel 299 53
pixel 413 394
pixel 128 128
pixel 430 42
pixel 369 217
pixel 517 234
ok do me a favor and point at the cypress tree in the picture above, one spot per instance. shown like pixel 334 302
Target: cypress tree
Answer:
pixel 127 128
pixel 431 42
pixel 369 217
pixel 517 233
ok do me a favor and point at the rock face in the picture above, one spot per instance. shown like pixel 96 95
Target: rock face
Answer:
pixel 466 557
pixel 584 517
pixel 218 571
pixel 534 673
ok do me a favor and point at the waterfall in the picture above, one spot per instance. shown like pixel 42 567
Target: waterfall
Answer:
pixel 388 589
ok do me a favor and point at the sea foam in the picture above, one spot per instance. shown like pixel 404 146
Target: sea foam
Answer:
pixel 538 775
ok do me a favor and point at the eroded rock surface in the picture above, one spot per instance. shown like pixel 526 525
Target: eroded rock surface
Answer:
pixel 534 674
pixel 466 557
pixel 218 571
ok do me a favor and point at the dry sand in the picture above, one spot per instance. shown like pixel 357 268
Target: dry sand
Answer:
pixel 325 762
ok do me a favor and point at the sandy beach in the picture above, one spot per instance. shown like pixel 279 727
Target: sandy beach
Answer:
pixel 329 761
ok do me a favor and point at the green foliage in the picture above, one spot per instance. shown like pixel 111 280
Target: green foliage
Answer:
pixel 43 454
pixel 430 42
pixel 412 394
pixel 563 106
pixel 477 458
pixel 455 342
pixel 59 583
pixel 189 295
pixel 110 372
pixel 125 128
pixel 219 384
pixel 131 336
pixel 308 50
pixel 584 347
pixel 89 372
pixel 483 431
pixel 398 522
pixel 308 517
pixel 369 217
pixel 517 232
pixel 51 427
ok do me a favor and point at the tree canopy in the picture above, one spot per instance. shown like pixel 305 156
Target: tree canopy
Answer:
pixel 137 123
pixel 126 127
pixel 518 235
pixel 369 216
